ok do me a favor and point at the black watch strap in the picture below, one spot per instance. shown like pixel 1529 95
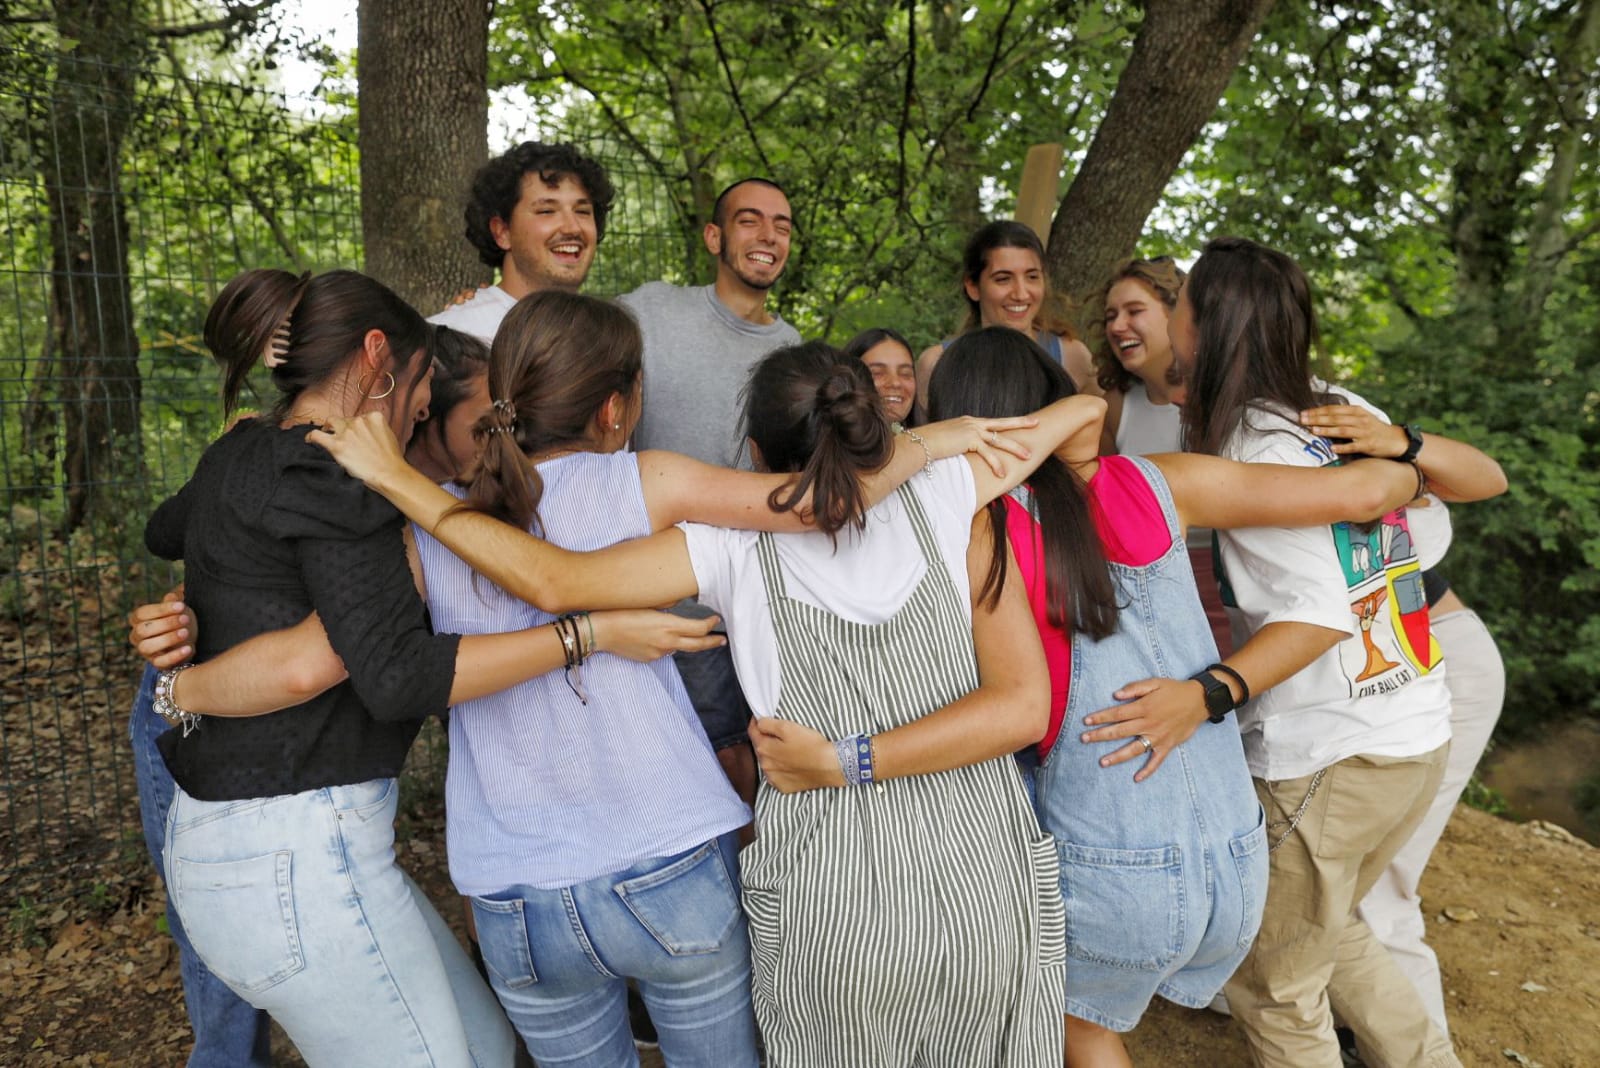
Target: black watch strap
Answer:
pixel 1244 687
pixel 1218 698
pixel 1413 442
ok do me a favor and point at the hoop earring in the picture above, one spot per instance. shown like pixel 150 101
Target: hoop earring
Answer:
pixel 361 385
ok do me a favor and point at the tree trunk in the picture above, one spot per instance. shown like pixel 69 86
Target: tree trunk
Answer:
pixel 424 129
pixel 1182 59
pixel 92 303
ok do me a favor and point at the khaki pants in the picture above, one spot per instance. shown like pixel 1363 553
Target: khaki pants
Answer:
pixel 1314 956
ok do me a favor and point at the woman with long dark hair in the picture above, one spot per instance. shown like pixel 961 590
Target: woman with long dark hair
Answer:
pixel 887 355
pixel 1349 728
pixel 856 630
pixel 1005 282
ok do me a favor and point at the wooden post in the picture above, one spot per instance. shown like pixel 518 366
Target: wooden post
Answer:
pixel 1037 193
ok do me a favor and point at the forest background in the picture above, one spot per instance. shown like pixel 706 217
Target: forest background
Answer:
pixel 1432 165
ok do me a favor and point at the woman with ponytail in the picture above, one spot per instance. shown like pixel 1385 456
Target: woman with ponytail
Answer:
pixel 1163 875
pixel 279 852
pixel 851 631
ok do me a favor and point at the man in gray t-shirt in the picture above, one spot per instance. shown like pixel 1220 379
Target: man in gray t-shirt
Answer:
pixel 700 344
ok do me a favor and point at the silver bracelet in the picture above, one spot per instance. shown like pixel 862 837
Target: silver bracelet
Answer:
pixel 927 453
pixel 167 708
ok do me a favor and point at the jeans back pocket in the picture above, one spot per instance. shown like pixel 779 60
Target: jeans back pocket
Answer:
pixel 1249 852
pixel 690 905
pixel 1124 906
pixel 239 914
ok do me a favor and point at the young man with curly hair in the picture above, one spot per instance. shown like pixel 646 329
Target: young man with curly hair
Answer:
pixel 535 214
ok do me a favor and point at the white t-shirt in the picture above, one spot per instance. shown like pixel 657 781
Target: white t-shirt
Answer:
pixel 479 315
pixel 1381 690
pixel 1147 428
pixel 869 578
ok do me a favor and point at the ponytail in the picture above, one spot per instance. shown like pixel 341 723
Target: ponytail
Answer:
pixel 814 412
pixel 305 328
pixel 557 358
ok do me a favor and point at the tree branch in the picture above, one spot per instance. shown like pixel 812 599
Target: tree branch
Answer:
pixel 905 100
pixel 994 59
pixel 733 86
pixel 235 18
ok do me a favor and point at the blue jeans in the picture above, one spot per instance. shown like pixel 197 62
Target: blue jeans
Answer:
pixel 228 1031
pixel 559 960
pixel 296 902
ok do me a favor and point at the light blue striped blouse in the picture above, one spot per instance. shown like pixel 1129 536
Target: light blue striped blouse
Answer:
pixel 542 790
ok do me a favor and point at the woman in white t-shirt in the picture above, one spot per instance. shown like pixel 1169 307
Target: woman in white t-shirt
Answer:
pixel 1348 729
pixel 855 629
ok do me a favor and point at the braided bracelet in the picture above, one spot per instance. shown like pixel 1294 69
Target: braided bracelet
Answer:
pixel 856 759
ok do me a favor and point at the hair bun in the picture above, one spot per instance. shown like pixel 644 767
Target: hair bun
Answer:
pixel 841 393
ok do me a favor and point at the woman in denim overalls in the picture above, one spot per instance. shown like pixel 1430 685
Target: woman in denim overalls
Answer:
pixel 1163 875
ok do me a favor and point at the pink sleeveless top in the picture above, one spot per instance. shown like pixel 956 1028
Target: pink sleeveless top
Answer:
pixel 1132 532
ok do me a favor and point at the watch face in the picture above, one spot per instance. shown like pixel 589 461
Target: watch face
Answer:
pixel 1219 700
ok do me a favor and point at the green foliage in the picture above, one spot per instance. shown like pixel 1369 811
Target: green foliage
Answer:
pixel 894 126
pixel 1586 798
pixel 1485 798
pixel 1407 155
pixel 25 924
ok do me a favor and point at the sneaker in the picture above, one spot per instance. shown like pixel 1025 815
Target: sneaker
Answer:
pixel 644 1032
pixel 1219 1005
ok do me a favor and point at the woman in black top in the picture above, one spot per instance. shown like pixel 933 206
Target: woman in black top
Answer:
pixel 280 840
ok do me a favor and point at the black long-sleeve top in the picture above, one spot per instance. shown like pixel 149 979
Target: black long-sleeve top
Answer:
pixel 270 529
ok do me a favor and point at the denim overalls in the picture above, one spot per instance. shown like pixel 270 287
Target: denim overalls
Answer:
pixel 1163 880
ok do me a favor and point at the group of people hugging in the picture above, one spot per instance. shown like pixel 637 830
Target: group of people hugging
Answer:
pixel 834 707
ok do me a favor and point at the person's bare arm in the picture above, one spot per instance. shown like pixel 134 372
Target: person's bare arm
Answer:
pixel 1069 428
pixel 1214 492
pixel 1168 711
pixel 680 488
pixel 1455 470
pixel 1010 708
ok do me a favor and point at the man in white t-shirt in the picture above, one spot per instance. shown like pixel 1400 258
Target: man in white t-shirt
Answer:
pixel 700 344
pixel 536 214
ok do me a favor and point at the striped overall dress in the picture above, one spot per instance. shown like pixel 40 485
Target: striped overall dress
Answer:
pixel 915 922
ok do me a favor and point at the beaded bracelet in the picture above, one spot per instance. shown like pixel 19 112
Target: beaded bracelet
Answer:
pixel 856 759
pixel 167 708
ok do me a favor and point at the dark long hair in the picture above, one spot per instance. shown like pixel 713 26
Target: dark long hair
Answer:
pixel 458 358
pixel 814 412
pixel 996 372
pixel 1255 330
pixel 556 359
pixel 1008 233
pixel 328 317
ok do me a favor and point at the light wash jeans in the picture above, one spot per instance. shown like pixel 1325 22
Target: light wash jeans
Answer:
pixel 296 902
pixel 560 960
pixel 229 1032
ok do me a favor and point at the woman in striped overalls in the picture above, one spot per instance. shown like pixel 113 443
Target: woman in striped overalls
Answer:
pixel 913 919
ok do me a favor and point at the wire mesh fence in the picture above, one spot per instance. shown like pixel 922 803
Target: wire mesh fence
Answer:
pixel 127 199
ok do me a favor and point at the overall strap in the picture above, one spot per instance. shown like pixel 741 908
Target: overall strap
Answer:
pixel 921 527
pixel 1158 483
pixel 771 574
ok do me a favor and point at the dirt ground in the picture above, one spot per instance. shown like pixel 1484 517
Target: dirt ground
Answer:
pixel 1521 961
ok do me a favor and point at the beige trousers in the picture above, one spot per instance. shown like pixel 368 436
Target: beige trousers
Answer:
pixel 1314 956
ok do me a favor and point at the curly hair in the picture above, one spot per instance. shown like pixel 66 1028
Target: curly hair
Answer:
pixel 497 187
pixel 1161 276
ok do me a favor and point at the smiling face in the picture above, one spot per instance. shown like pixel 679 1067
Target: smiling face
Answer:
pixel 1009 290
pixel 1136 327
pixel 550 237
pixel 752 244
pixel 894 376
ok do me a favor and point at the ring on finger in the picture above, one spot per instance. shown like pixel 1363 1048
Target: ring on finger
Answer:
pixel 1149 746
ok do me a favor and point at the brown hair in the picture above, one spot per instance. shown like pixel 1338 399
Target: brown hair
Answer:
pixel 556 359
pixel 328 315
pixel 997 372
pixel 814 411
pixel 1255 329
pixel 1161 276
pixel 1008 233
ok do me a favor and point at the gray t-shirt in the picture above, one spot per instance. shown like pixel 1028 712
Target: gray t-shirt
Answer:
pixel 697 359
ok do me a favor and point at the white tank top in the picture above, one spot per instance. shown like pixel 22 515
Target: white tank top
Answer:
pixel 1147 428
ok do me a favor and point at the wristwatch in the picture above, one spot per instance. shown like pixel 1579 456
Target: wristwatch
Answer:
pixel 1219 699
pixel 1413 442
